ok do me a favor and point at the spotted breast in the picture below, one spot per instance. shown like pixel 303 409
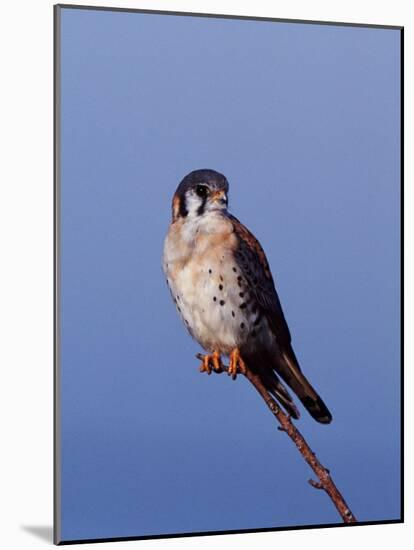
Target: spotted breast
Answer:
pixel 206 284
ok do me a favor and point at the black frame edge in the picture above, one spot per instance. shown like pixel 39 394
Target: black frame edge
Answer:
pixel 226 16
pixel 56 275
pixel 402 264
pixel 231 532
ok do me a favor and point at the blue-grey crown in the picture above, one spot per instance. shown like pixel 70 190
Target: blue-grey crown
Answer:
pixel 210 177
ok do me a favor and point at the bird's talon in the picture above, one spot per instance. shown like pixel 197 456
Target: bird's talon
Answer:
pixel 216 360
pixel 237 365
pixel 210 363
pixel 204 368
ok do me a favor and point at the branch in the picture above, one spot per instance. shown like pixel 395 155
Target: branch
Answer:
pixel 325 481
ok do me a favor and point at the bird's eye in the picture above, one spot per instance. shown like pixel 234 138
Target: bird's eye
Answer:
pixel 201 190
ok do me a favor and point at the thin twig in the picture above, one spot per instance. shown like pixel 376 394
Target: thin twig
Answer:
pixel 325 481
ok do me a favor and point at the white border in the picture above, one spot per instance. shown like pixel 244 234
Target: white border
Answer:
pixel 26 230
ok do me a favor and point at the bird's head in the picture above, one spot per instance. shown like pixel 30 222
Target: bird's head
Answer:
pixel 201 191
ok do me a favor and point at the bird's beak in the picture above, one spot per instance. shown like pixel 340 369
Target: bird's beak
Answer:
pixel 219 196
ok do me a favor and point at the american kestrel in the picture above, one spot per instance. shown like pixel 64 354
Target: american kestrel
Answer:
pixel 223 289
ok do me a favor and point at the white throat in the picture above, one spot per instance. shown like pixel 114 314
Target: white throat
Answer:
pixel 207 223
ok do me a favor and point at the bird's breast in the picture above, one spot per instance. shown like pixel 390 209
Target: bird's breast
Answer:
pixel 209 289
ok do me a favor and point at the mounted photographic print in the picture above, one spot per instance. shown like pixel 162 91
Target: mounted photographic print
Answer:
pixel 228 274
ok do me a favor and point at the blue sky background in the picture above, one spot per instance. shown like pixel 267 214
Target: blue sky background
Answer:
pixel 304 122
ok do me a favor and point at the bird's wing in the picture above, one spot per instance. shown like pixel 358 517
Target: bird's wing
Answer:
pixel 253 263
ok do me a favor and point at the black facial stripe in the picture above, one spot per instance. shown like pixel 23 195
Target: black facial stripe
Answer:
pixel 200 209
pixel 183 207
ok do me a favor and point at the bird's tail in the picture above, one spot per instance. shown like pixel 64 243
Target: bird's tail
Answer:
pixel 272 383
pixel 287 367
pixel 278 390
pixel 289 370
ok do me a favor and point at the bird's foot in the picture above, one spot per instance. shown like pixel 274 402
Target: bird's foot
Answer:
pixel 211 362
pixel 237 365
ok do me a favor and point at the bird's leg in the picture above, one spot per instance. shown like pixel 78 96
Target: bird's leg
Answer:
pixel 210 362
pixel 217 364
pixel 237 365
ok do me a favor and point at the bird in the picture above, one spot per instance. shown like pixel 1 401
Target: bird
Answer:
pixel 222 286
